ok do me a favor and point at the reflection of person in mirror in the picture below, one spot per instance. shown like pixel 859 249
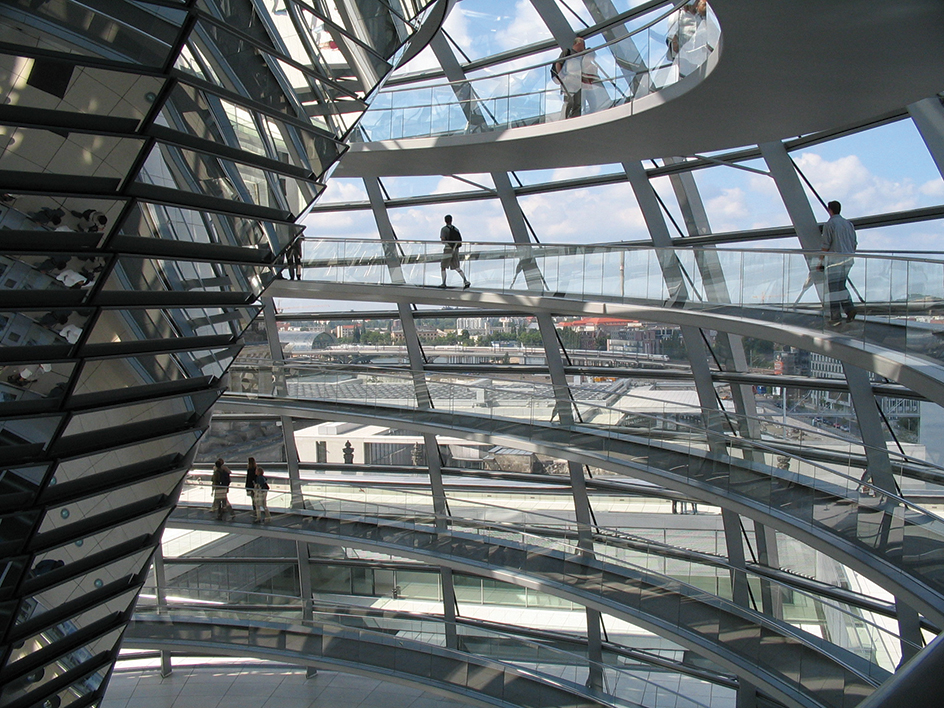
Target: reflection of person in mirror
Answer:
pixel 293 258
pixel 72 279
pixel 28 375
pixel 71 333
pixel 90 220
pixel 47 217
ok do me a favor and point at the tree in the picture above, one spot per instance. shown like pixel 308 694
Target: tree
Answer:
pixel 531 338
pixel 373 336
pixel 569 338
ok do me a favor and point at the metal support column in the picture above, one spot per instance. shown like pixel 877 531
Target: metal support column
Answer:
pixel 629 61
pixel 556 23
pixel 909 630
pixel 563 410
pixel 791 192
pixel 460 87
pixel 735 548
pixel 421 391
pixel 160 587
pixel 678 293
pixel 728 347
pixel 281 389
pixel 768 554
pixel 302 553
pixel 449 608
pixel 696 351
pixel 867 414
pixel 928 117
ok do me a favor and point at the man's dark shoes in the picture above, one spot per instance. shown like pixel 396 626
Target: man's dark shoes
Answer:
pixel 466 286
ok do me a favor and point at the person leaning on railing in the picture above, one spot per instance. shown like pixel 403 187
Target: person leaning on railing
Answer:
pixel 594 94
pixel 567 71
pixel 220 480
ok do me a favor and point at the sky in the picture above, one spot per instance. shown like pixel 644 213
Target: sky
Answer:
pixel 882 170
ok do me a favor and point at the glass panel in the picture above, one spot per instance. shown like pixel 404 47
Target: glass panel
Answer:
pixel 134 274
pixel 121 570
pixel 492 29
pixel 67 627
pixel 135 32
pixel 372 23
pixel 82 510
pixel 74 220
pixel 330 579
pixel 115 374
pixel 417 585
pixel 68 153
pixel 18 485
pixel 52 271
pixel 237 440
pixel 223 55
pixel 200 173
pixel 242 14
pixel 185 407
pixel 63 664
pixel 346 61
pixel 15 528
pixel 41 328
pixel 138 325
pixel 204 115
pixel 28 431
pixel 83 468
pixel 54 85
pixel 189 225
pixel 32 382
pixel 81 548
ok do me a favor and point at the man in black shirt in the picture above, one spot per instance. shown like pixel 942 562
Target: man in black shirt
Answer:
pixel 452 240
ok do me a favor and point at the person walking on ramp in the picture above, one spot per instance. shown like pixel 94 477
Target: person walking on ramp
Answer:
pixel 839 245
pixel 452 240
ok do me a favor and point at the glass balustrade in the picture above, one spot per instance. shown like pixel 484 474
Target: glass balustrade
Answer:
pixel 896 297
pixel 625 684
pixel 595 408
pixel 636 59
pixel 814 496
pixel 656 564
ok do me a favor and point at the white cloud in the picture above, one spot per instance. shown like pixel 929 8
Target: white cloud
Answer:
pixel 593 215
pixel 933 188
pixel 525 27
pixel 861 191
pixel 343 190
pixel 729 211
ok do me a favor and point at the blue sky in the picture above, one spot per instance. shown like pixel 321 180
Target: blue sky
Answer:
pixel 882 170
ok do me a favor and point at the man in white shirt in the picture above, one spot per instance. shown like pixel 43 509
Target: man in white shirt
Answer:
pixel 839 240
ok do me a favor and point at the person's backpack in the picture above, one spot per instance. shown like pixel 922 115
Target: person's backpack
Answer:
pixel 454 235
pixel 555 72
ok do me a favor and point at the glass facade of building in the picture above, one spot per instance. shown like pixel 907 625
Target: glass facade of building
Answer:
pixel 637 461
pixel 155 158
